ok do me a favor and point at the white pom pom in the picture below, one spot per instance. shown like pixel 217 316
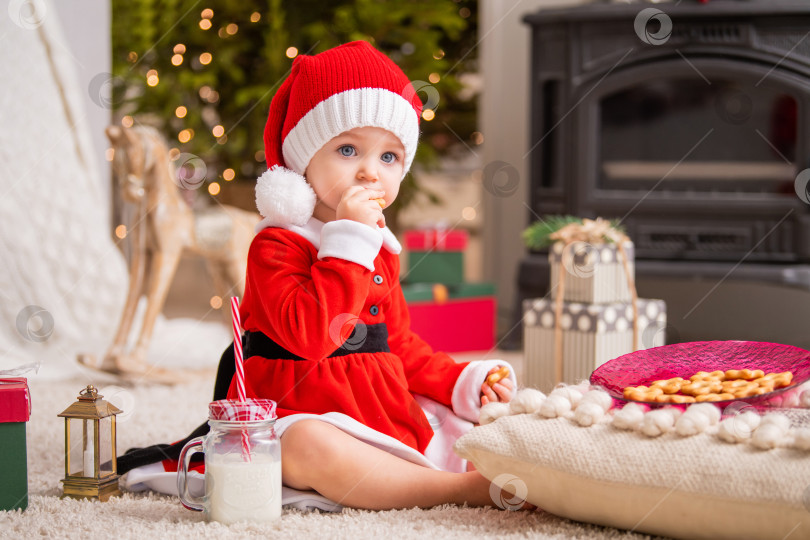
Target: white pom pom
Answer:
pixel 492 411
pixel 284 197
pixel 592 407
pixel 776 419
pixel 791 399
pixel 571 393
pixel 527 400
pixel 771 431
pixel 768 436
pixel 658 422
pixel 801 438
pixel 588 413
pixel 804 397
pixel 731 430
pixel 750 418
pixel 691 424
pixel 584 386
pixel 711 412
pixel 598 397
pixel 629 417
pixel 738 428
pixel 555 405
pixel 696 419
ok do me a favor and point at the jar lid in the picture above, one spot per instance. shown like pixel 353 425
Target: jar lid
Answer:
pixel 251 410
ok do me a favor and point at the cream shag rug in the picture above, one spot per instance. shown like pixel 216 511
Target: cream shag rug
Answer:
pixel 155 414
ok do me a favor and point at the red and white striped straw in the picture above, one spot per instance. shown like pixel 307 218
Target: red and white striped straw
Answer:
pixel 237 345
pixel 240 368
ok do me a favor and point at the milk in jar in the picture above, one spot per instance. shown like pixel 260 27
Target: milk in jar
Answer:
pixel 237 490
pixel 242 463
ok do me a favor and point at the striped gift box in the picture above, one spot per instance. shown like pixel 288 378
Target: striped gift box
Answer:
pixel 594 274
pixel 592 334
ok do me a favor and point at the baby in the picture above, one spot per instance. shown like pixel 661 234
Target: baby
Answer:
pixel 368 412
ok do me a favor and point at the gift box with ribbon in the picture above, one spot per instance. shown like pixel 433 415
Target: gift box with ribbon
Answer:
pixel 15 410
pixel 435 256
pixel 591 335
pixel 594 314
pixel 591 260
pixel 595 273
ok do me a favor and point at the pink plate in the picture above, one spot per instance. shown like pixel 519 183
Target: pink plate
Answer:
pixel 686 359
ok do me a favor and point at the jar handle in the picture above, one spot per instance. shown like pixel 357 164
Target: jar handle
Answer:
pixel 192 503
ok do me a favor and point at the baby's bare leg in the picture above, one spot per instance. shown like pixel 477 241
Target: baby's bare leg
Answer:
pixel 316 455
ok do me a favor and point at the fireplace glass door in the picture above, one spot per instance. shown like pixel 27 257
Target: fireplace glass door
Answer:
pixel 686 134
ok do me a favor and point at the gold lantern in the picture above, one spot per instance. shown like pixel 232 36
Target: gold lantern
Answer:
pixel 91 471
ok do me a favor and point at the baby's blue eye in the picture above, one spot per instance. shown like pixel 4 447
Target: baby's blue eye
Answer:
pixel 389 157
pixel 346 150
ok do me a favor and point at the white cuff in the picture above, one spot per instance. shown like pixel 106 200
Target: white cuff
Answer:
pixel 466 398
pixel 352 241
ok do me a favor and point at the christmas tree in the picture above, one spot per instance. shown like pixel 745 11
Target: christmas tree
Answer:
pixel 204 73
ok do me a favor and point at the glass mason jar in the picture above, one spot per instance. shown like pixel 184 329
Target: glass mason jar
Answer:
pixel 242 463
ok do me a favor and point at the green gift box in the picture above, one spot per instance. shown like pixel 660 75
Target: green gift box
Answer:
pixel 435 256
pixel 15 410
pixel 445 267
pixel 436 292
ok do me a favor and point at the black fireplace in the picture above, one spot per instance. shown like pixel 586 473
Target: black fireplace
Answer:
pixel 688 123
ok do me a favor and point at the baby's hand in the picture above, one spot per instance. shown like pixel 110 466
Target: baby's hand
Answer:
pixel 361 205
pixel 500 391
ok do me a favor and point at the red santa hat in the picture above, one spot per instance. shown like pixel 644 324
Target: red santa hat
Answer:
pixel 353 85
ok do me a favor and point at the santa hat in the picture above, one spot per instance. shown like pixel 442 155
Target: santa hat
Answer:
pixel 353 85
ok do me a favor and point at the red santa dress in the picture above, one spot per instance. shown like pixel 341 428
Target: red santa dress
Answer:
pixel 307 289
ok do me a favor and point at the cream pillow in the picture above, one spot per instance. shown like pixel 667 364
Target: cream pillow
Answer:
pixel 685 487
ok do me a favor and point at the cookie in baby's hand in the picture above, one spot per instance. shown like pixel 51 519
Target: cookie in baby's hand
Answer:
pixel 497 376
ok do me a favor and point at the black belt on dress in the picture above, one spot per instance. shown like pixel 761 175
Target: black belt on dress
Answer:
pixel 365 338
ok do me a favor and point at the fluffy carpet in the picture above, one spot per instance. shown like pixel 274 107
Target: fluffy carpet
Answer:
pixel 154 414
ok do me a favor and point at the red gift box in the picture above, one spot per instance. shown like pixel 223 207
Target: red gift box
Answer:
pixel 464 324
pixel 436 240
pixel 15 402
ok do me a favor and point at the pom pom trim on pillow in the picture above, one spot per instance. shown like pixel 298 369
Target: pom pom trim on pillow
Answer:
pixel 588 406
pixel 694 486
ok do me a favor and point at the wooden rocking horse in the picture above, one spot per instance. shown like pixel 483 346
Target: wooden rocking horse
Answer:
pixel 162 226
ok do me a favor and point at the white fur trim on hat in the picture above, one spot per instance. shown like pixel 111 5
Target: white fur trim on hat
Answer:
pixel 361 107
pixel 284 198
